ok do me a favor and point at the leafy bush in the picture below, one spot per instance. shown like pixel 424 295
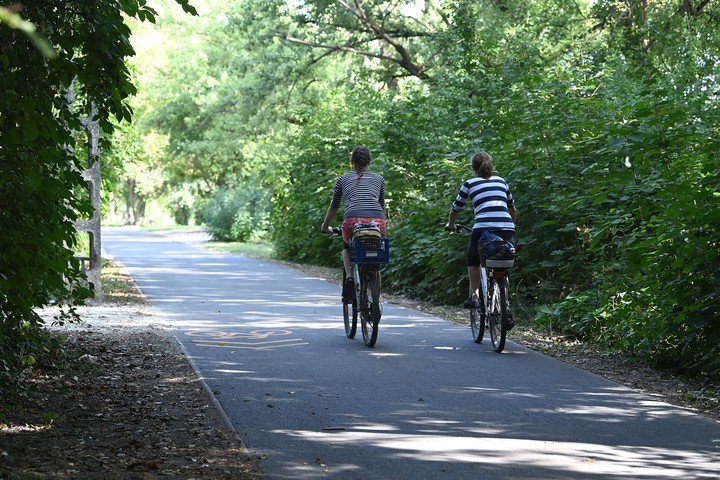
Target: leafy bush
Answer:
pixel 607 140
pixel 237 215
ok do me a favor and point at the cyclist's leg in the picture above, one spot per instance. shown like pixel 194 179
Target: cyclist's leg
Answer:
pixel 347 230
pixel 473 266
pixel 346 260
pixel 474 277
pixel 348 286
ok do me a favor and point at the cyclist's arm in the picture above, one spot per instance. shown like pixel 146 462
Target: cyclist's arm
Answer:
pixel 511 206
pixel 513 213
pixel 451 219
pixel 325 228
pixel 381 196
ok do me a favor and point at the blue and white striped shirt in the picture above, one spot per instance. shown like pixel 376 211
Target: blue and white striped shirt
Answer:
pixel 364 197
pixel 491 199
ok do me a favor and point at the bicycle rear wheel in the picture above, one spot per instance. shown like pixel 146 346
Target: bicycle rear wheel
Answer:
pixel 370 310
pixel 350 315
pixel 497 316
pixel 477 323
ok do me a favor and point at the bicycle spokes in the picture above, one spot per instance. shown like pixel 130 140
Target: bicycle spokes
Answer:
pixel 497 312
pixel 370 309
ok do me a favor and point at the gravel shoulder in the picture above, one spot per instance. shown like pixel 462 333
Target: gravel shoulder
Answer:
pixel 124 403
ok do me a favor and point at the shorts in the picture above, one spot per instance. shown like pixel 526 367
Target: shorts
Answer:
pixel 349 224
pixel 473 251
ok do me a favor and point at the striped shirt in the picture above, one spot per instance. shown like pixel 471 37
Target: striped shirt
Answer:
pixel 364 197
pixel 491 199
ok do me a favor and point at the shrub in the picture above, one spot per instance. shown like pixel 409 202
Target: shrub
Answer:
pixel 237 215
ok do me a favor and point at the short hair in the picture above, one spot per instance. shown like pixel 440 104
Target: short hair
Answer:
pixel 482 164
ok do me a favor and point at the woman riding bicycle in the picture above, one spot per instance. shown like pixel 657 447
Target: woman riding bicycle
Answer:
pixel 364 193
pixel 494 210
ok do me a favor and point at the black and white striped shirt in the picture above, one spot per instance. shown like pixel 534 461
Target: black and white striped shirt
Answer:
pixel 364 197
pixel 491 200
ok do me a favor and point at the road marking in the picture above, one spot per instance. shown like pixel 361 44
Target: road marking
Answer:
pixel 250 347
pixel 255 334
pixel 255 340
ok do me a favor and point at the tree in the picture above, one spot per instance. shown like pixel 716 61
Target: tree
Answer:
pixel 133 173
pixel 375 30
pixel 608 140
pixel 602 115
pixel 41 189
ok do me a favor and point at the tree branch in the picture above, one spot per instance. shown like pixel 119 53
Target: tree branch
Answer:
pixel 687 7
pixel 404 61
pixel 340 48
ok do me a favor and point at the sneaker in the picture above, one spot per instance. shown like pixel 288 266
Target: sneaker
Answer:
pixel 348 290
pixel 470 303
pixel 511 322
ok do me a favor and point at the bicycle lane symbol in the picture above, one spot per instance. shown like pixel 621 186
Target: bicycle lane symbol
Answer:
pixel 255 340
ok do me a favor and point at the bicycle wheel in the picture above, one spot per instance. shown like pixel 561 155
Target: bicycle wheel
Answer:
pixel 350 317
pixel 477 323
pixel 370 310
pixel 350 314
pixel 497 316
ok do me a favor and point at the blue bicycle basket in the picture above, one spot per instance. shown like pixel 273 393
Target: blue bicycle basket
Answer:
pixel 494 247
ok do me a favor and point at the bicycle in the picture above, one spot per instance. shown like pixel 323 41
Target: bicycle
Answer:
pixel 495 301
pixel 367 254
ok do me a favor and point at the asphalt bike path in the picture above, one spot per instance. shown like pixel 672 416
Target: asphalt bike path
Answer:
pixel 425 403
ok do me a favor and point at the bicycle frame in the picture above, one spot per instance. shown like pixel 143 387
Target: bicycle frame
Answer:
pixel 497 307
pixel 367 255
pixel 494 306
pixel 359 275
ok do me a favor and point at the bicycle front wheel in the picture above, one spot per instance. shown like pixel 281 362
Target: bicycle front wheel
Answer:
pixel 370 310
pixel 497 316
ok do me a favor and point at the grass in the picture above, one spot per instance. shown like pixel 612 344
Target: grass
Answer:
pixel 259 250
pixel 118 286
pixel 178 228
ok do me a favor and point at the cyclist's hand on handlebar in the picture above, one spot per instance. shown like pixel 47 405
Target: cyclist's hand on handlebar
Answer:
pixel 331 230
pixel 457 228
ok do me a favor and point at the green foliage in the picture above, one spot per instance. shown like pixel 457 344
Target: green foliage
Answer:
pixel 601 115
pixel 237 215
pixel 133 174
pixel 614 173
pixel 42 147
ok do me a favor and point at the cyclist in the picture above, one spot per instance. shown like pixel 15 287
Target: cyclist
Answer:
pixel 364 193
pixel 494 210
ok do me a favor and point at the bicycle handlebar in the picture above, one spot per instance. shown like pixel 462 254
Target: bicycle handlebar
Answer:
pixel 459 227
